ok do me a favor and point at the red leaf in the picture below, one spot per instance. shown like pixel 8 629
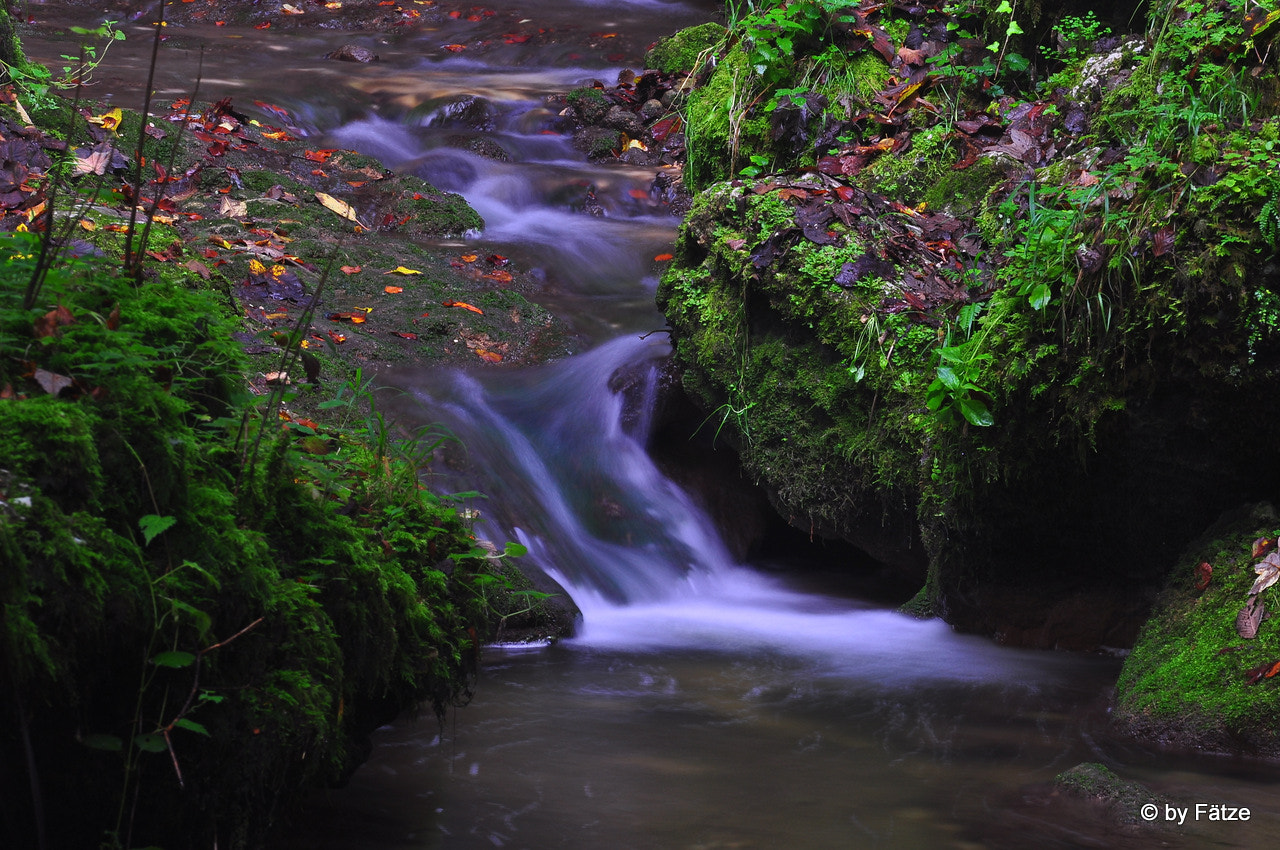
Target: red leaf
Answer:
pixel 337 337
pixel 663 258
pixel 404 335
pixel 262 26
pixel 455 48
pixel 1162 240
pixel 1204 572
pixel 497 260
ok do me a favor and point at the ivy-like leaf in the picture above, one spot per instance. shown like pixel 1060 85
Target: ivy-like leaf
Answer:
pixel 174 659
pixel 151 743
pixel 152 526
pixel 191 726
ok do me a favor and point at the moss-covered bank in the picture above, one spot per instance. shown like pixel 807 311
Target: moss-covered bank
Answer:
pixel 215 588
pixel 1024 334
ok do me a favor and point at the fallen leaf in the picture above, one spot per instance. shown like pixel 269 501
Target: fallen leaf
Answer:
pixel 1268 571
pixel 50 323
pixel 51 382
pixel 107 120
pixel 404 334
pixel 342 208
pixel 1262 546
pixel 1204 573
pixel 662 258
pixel 500 276
pixel 320 155
pixel 497 260
pixel 393 290
pixel 403 270
pixel 1249 618
pixel 463 305
pixel 231 208
pixel 1265 670
pixel 337 337
pixel 470 258
pixel 491 356
pixel 455 48
pixel 351 269
pixel 353 318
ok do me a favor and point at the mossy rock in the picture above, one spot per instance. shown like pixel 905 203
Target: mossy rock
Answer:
pixel 679 53
pixel 1190 681
pixel 724 131
pixel 1123 799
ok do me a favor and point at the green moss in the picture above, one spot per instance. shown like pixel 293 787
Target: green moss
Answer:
pixel 590 103
pixel 723 131
pixel 679 53
pixel 1187 679
pixel 910 176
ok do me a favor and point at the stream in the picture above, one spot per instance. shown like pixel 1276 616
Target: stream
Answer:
pixel 704 703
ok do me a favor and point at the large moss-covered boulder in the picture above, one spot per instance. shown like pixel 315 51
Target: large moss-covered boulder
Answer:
pixel 1036 340
pixel 1202 674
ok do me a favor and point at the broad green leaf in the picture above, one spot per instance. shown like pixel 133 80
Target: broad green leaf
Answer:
pixel 975 412
pixel 151 743
pixel 98 741
pixel 153 525
pixel 174 658
pixel 191 725
pixel 1040 296
pixel 1004 8
pixel 1013 29
pixel 515 550
pixel 948 377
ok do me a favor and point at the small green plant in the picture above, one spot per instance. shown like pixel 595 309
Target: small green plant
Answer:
pixel 961 359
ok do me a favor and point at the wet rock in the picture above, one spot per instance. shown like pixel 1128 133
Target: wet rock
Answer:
pixel 352 53
pixel 465 111
pixel 624 121
pixel 480 146
pixel 652 109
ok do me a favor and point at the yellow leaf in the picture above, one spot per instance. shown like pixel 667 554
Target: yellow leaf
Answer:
pixel 107 120
pixel 256 267
pixel 342 208
pixel 88 224
pixel 402 270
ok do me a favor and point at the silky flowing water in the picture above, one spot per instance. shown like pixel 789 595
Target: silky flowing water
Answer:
pixel 704 703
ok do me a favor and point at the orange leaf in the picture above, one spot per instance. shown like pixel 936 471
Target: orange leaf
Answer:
pixel 464 305
pixel 278 136
pixel 404 335
pixel 262 26
pixel 662 258
pixel 351 269
pixel 393 290
pixel 337 337
pixel 500 276
pixel 491 356
pixel 1204 573
pixel 320 155
pixel 469 258
pixel 455 48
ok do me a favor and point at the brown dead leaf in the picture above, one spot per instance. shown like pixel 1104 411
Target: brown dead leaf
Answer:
pixel 231 208
pixel 51 382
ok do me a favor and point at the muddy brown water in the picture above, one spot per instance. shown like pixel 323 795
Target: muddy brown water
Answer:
pixel 705 703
